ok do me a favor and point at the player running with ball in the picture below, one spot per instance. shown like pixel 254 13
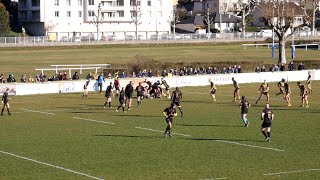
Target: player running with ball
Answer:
pixel 263 90
pixel 169 113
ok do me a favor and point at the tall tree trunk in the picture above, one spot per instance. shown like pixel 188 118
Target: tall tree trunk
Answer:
pixel 243 24
pixel 282 51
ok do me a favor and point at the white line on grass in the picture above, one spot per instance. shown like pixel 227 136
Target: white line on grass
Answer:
pixel 162 131
pixel 289 172
pixel 51 165
pixel 37 111
pixel 93 120
pixel 21 102
pixel 240 144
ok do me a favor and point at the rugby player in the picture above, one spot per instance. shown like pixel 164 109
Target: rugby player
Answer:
pixel 149 85
pixel 164 82
pixel 128 93
pixel 287 91
pixel 108 95
pixel 309 90
pixel 267 117
pixel 236 92
pixel 122 98
pixel 169 113
pixel 303 94
pixel 5 102
pixel 281 87
pixel 140 92
pixel 117 85
pixel 263 90
pixel 213 90
pixel 85 89
pixel 244 105
pixel 100 82
pixel 175 98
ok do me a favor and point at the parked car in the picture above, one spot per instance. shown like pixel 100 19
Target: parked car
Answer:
pixel 113 38
pixel 76 39
pixel 155 37
pixel 266 33
pixel 64 39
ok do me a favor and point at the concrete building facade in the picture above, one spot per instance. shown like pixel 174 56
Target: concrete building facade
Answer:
pixel 76 18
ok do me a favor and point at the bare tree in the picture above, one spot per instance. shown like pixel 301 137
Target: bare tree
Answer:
pixel 174 20
pixel 208 20
pixel 315 7
pixel 98 20
pixel 136 17
pixel 282 17
pixel 48 27
pixel 245 9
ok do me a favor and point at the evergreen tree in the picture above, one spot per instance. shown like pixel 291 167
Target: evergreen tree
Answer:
pixel 4 21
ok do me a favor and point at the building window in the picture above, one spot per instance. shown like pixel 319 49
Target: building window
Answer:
pixel 159 13
pixel 68 13
pixel 149 3
pixel 35 3
pixel 133 14
pixel 35 15
pixel 91 13
pixel 150 14
pixel 80 2
pixel 56 2
pixel 91 2
pixel 56 14
pixel 120 14
pixel 68 2
pixel 80 13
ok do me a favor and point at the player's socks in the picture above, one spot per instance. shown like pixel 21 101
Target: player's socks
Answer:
pixel 268 134
pixel 181 111
pixel 9 112
pixel 123 109
pixel 2 111
pixel 109 104
pixel 105 104
pixel 265 134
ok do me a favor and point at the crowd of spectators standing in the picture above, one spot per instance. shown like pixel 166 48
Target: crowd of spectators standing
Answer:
pixel 185 71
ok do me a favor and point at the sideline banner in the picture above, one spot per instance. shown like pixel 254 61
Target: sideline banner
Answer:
pixel 12 88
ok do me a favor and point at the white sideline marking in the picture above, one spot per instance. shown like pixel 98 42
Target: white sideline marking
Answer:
pixel 93 120
pixel 240 144
pixel 215 178
pixel 37 111
pixel 51 165
pixel 161 131
pixel 289 172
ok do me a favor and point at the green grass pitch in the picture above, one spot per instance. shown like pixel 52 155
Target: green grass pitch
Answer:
pixel 69 132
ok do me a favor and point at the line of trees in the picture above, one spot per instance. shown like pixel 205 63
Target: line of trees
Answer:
pixel 4 21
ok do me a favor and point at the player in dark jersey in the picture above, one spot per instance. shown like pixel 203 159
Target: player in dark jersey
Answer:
pixel 175 98
pixel 267 117
pixel 263 90
pixel 287 91
pixel 108 95
pixel 85 89
pixel 122 100
pixel 244 105
pixel 309 83
pixel 169 113
pixel 303 94
pixel 140 93
pixel 5 102
pixel 117 85
pixel 281 88
pixel 236 92
pixel 149 85
pixel 213 90
pixel 129 92
pixel 164 82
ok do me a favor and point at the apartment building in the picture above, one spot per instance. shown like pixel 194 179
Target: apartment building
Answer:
pixel 73 18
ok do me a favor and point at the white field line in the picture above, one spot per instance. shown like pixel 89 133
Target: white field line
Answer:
pixel 240 144
pixel 289 172
pixel 51 165
pixel 215 178
pixel 41 112
pixel 92 120
pixel 22 102
pixel 162 131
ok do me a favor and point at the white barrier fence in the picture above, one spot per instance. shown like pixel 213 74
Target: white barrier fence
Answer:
pixel 181 81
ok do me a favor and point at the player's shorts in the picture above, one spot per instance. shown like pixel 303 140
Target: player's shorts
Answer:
pixel 176 103
pixel 169 120
pixel 107 96
pixel 265 93
pixel 109 99
pixel 304 95
pixel 129 96
pixel 244 111
pixel 140 94
pixel 309 86
pixel 236 89
pixel 265 125
pixel 167 88
pixel 288 93
pixel 121 101
pixel 100 84
pixel 213 92
pixel 117 88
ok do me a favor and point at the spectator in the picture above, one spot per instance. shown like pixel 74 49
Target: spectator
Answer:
pixel 215 70
pixel 2 79
pixel 300 67
pixel 42 77
pixel 257 70
pixel 60 76
pixel 30 79
pixel 75 76
pixel 164 73
pixel 239 69
pixel 275 68
pixel 90 76
pixel 64 76
pixel 283 67
pixel 230 70
pixel 109 75
pixel 11 78
pixel 263 69
pixel 291 66
pixel 235 69
pixel 150 74
pixel 223 70
pixel 56 77
pixel 37 78
pixel 23 78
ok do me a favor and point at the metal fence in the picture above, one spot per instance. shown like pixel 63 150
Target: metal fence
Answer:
pixel 164 38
